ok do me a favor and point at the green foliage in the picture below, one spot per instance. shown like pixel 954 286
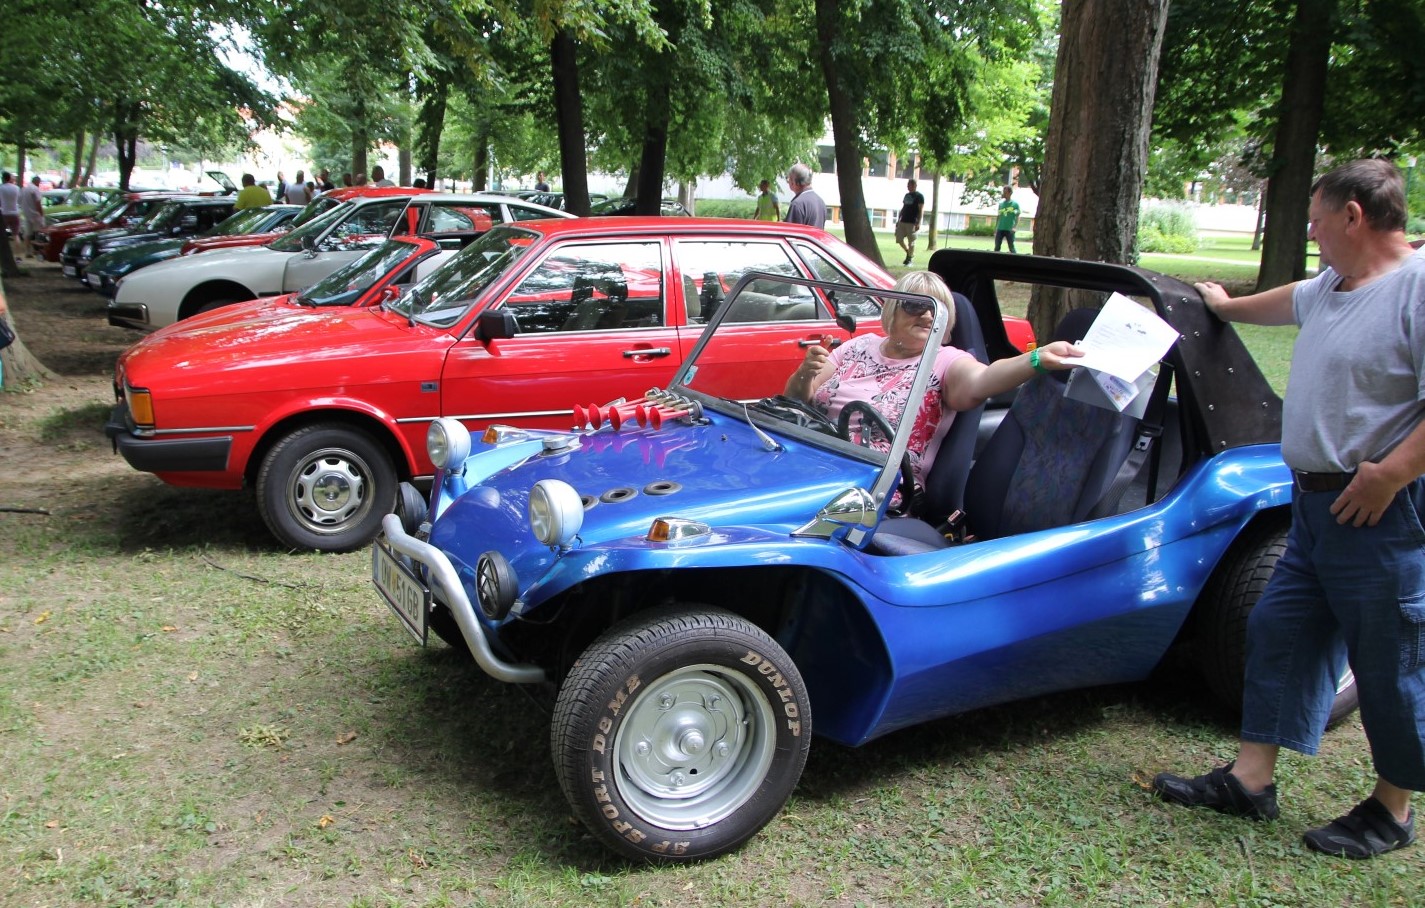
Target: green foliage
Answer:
pixel 977 228
pixel 726 208
pixel 1167 228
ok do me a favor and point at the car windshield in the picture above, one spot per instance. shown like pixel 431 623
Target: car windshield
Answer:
pixel 444 297
pixel 721 371
pixel 316 207
pixel 292 242
pixel 345 285
pixel 159 218
pixel 112 206
pixel 239 222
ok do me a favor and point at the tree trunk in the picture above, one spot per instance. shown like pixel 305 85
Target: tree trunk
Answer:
pixel 403 163
pixel 126 140
pixel 435 94
pixel 480 169
pixel 20 365
pixel 1096 151
pixel 845 136
pixel 78 158
pixel 1294 149
pixel 648 189
pixel 1261 218
pixel 569 118
pixel 932 231
pixel 93 158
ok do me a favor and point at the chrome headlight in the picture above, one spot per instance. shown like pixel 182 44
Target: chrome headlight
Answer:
pixel 556 513
pixel 447 443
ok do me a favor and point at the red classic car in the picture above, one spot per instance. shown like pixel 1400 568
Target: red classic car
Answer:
pixel 318 206
pixel 325 410
pixel 123 209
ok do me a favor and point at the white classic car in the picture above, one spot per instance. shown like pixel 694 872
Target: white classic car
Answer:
pixel 166 292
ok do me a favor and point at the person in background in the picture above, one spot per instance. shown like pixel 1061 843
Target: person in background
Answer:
pixel 251 195
pixel 1007 220
pixel 297 192
pixel 540 183
pixel 347 181
pixel 32 210
pixel 1350 587
pixel 768 208
pixel 806 207
pixel 908 222
pixel 10 211
pixel 418 183
pixel 378 177
pixel 282 185
pixel 324 183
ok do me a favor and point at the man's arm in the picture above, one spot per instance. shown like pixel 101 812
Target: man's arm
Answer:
pixel 1270 307
pixel 1375 485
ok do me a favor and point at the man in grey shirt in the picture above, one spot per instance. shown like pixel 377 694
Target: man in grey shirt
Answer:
pixel 1350 586
pixel 806 207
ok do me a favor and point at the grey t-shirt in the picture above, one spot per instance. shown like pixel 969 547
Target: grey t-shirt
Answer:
pixel 807 208
pixel 1357 384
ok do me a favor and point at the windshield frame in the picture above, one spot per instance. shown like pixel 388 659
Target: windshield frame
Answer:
pixel 368 260
pixel 469 290
pixel 889 477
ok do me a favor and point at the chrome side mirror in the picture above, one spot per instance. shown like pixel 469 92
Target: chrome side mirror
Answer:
pixel 851 509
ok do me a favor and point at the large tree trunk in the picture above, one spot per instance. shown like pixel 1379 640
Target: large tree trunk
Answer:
pixel 569 118
pixel 126 140
pixel 480 168
pixel 93 158
pixel 78 158
pixel 846 138
pixel 435 94
pixel 649 188
pixel 1294 150
pixel 1096 152
pixel 19 363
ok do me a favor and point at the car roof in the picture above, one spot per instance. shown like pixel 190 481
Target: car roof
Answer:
pixel 682 226
pixel 358 192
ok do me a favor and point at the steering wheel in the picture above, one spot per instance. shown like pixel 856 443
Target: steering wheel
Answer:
pixel 869 415
pixel 802 413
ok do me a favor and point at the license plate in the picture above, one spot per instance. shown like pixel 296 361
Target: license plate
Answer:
pixel 402 590
pixel 69 271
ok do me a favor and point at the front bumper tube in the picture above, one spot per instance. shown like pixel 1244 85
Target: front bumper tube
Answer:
pixel 443 575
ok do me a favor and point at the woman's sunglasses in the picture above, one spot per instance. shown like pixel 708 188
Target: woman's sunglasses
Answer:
pixel 916 308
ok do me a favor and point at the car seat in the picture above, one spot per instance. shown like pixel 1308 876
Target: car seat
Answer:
pixel 595 313
pixel 1051 459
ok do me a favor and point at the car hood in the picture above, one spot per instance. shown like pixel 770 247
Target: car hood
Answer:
pixel 108 241
pixel 207 244
pixel 139 252
pixel 715 473
pixel 99 236
pixel 259 334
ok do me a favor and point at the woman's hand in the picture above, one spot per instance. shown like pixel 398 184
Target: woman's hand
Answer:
pixel 802 382
pixel 1058 355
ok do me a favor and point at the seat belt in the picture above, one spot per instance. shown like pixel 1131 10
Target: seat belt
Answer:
pixel 1150 429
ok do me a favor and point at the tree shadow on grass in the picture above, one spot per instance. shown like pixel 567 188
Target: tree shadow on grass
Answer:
pixel 149 514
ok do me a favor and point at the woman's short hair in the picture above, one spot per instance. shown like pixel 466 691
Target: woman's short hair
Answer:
pixel 926 283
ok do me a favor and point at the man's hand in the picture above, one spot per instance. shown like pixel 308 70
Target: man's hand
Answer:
pixel 1212 294
pixel 1363 502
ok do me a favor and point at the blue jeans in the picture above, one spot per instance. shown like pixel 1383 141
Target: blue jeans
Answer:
pixel 1344 592
pixel 1001 236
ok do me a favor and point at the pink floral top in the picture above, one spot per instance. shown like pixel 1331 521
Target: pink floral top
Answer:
pixel 862 372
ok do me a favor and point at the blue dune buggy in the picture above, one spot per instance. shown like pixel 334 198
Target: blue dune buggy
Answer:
pixel 710 572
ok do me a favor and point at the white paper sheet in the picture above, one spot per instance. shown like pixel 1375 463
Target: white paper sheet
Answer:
pixel 1125 340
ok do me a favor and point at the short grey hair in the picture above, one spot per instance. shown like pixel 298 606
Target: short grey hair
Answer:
pixel 926 283
pixel 799 175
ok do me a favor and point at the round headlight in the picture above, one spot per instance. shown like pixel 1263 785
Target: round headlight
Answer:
pixel 556 513
pixel 447 443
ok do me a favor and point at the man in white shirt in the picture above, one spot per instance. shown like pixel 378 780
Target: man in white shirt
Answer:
pixel 10 211
pixel 32 209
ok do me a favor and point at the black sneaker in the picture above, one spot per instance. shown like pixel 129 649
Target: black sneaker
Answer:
pixel 1368 830
pixel 1220 791
pixel 907 260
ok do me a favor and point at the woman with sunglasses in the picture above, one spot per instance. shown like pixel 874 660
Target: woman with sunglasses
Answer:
pixel 879 370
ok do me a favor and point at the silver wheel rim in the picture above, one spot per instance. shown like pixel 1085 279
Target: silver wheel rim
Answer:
pixel 695 746
pixel 330 488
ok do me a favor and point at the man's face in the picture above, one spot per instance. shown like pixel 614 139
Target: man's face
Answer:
pixel 1327 227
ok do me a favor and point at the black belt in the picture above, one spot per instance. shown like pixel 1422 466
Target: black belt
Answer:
pixel 1321 482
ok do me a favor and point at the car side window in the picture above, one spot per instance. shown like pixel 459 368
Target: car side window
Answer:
pixel 710 269
pixel 598 287
pixel 462 218
pixel 854 305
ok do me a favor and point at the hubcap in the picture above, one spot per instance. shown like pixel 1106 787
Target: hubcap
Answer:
pixel 330 488
pixel 695 746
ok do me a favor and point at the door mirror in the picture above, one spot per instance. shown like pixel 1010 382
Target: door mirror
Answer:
pixel 496 324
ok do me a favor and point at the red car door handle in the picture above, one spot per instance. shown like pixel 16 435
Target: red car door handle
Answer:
pixel 650 351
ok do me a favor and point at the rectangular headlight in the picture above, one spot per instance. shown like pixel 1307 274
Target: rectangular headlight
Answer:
pixel 141 407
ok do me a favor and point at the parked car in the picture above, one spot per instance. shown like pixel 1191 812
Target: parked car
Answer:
pixel 122 210
pixel 108 267
pixel 709 577
pixel 176 289
pixel 322 412
pixel 313 209
pixel 78 202
pixel 668 208
pixel 552 199
pixel 177 217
